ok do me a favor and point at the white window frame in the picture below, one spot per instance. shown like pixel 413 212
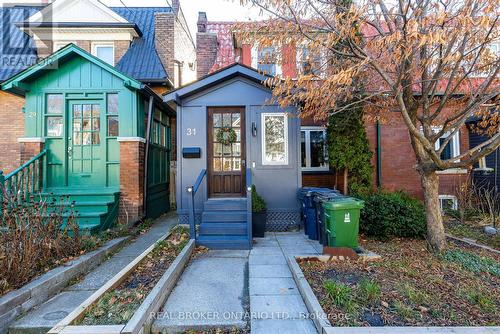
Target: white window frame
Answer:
pixel 96 45
pixel 263 138
pixel 61 44
pixel 307 130
pixel 254 59
pixel 454 142
pixel 445 197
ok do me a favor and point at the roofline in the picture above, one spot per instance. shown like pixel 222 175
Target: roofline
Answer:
pixel 11 85
pixel 214 78
pixel 80 25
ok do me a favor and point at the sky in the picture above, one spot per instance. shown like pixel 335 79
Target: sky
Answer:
pixel 217 10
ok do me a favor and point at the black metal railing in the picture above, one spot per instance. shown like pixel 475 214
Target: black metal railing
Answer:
pixel 192 190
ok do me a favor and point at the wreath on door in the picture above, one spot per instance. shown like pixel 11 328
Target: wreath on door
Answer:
pixel 226 135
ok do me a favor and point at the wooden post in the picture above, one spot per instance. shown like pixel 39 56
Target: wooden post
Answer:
pixel 345 181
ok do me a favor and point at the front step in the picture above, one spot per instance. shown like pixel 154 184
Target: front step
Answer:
pixel 223 241
pixel 95 210
pixel 224 224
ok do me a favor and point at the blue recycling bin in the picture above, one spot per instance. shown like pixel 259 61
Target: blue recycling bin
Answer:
pixel 308 209
pixel 319 198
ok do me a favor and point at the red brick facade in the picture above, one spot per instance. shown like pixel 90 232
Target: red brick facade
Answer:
pixel 28 149
pixel 131 181
pixel 11 128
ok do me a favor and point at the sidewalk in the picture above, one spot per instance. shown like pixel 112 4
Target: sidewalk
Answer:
pixel 43 318
pixel 276 305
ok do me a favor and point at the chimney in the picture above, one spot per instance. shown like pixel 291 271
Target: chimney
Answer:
pixel 202 22
pixel 206 47
pixel 164 40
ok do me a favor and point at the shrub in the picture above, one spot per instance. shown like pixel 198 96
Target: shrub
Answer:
pixel 34 238
pixel 258 203
pixel 392 214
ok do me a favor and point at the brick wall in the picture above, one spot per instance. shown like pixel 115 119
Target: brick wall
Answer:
pixel 11 128
pixel 184 48
pixel 164 32
pixel 29 149
pixel 399 160
pixel 131 182
pixel 206 43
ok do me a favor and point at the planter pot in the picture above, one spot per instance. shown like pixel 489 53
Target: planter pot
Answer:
pixel 259 224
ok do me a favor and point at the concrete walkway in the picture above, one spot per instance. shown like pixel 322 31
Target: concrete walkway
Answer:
pixel 211 293
pixel 276 305
pixel 43 318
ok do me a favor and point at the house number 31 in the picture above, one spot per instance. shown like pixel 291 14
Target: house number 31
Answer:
pixel 191 131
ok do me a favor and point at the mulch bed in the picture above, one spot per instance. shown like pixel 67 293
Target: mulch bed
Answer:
pixel 118 306
pixel 471 230
pixel 409 286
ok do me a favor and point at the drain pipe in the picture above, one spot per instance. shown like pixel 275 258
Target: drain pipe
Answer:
pixel 146 154
pixel 378 128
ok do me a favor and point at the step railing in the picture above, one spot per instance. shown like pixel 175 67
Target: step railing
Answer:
pixel 192 190
pixel 249 206
pixel 24 182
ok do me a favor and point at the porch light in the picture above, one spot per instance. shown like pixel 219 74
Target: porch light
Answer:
pixel 189 189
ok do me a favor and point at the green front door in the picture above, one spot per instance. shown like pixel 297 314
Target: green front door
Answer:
pixel 86 143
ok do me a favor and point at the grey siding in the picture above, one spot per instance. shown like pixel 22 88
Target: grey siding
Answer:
pixel 277 184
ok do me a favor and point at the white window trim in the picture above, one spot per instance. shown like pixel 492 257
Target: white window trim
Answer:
pixel 95 45
pixel 59 45
pixel 452 197
pixel 254 55
pixel 307 130
pixel 455 143
pixel 263 139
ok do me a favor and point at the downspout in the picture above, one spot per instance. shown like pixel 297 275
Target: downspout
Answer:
pixel 379 154
pixel 146 154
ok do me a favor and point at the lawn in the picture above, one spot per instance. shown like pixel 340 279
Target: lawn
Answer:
pixel 471 230
pixel 409 286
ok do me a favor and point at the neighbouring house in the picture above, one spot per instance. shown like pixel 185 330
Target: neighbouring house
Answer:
pixel 81 83
pixel 262 149
pixel 393 157
pixel 486 173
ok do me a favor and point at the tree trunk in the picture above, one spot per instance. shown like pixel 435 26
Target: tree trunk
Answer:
pixel 435 230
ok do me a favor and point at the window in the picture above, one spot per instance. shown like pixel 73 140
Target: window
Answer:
pixel 54 115
pixel 267 60
pixel 452 149
pixel 105 52
pixel 314 155
pixel 309 62
pixel 448 202
pixel 112 115
pixel 274 139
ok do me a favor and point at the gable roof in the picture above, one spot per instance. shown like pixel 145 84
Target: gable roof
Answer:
pixel 71 11
pixel 21 52
pixel 141 60
pixel 15 84
pixel 210 80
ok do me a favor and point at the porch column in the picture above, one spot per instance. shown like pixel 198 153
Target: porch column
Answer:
pixel 29 147
pixel 131 179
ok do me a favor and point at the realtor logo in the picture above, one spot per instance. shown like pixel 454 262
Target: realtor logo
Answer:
pixel 347 218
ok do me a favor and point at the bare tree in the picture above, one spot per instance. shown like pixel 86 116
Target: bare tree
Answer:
pixel 429 60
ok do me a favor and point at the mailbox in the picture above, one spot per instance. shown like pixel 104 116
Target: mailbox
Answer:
pixel 191 152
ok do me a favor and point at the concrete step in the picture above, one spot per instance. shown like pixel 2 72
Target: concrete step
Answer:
pixel 238 204
pixel 209 228
pixel 223 241
pixel 224 216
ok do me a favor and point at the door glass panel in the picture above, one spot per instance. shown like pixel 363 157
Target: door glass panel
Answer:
pixel 226 119
pixel 87 110
pixel 227 164
pixel 86 124
pixel 226 150
pixel 77 111
pixel 95 124
pixel 217 149
pixel 87 138
pixel 77 138
pixel 236 120
pixel 318 148
pixel 96 138
pixel 55 103
pixel 54 126
pixel 217 164
pixel 303 148
pixel 236 149
pixel 236 164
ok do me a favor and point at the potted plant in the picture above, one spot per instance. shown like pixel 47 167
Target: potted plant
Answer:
pixel 259 213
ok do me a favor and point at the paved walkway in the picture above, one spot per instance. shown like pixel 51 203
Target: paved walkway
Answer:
pixel 275 302
pixel 44 317
pixel 211 293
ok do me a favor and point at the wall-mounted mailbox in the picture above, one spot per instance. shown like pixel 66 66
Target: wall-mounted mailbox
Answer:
pixel 191 152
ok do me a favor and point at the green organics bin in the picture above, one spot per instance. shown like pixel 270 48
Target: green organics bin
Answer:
pixel 342 221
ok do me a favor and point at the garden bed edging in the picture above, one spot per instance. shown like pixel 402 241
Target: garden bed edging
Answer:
pixel 17 302
pixel 142 318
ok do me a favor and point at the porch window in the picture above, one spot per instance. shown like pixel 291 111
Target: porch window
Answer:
pixel 112 115
pixel 54 115
pixel 274 139
pixel 313 149
pixel 105 52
